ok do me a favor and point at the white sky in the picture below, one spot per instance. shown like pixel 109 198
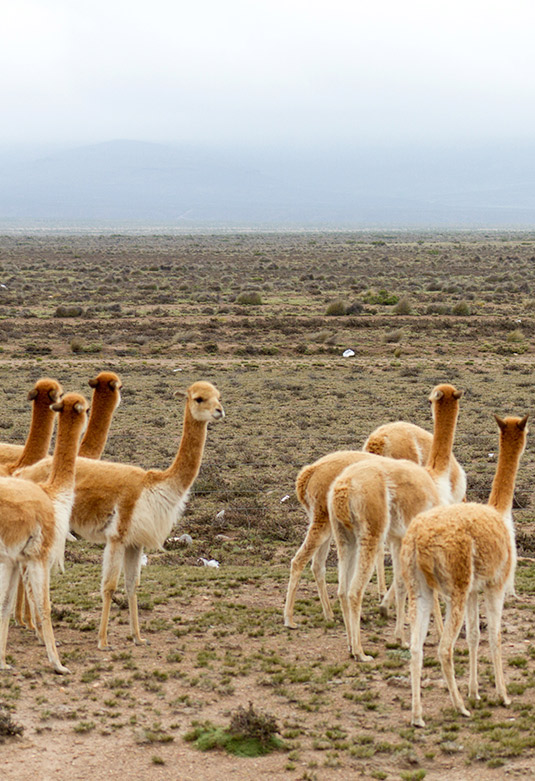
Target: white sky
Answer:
pixel 266 72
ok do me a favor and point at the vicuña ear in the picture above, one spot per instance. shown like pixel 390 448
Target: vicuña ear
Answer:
pixel 179 394
pixel 115 384
pixel 93 383
pixel 79 407
pixel 501 423
pixel 522 423
pixel 54 394
pixel 436 395
pixel 457 394
pixel 33 394
pixel 58 406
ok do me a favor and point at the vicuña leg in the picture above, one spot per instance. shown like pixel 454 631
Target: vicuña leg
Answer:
pixel 472 635
pixel 366 557
pixel 38 576
pixel 494 602
pixel 455 610
pixel 401 593
pixel 9 573
pixel 318 535
pixel 346 543
pixel 132 568
pixel 111 570
pixel 420 600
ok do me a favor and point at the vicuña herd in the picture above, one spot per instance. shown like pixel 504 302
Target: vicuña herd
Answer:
pixel 405 492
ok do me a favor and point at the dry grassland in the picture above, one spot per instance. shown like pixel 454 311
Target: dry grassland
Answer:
pixel 165 311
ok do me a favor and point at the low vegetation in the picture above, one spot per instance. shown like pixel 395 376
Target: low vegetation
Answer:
pixel 164 311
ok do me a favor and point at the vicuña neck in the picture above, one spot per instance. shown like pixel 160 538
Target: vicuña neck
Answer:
pixel 503 485
pixel 187 463
pixel 63 461
pixel 39 437
pixel 94 440
pixel 438 462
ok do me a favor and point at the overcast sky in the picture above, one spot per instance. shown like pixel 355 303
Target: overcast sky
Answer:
pixel 265 72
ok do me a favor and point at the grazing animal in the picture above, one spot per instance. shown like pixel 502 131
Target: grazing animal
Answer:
pixel 460 550
pixel 34 522
pixel 129 508
pixel 372 502
pixel 312 486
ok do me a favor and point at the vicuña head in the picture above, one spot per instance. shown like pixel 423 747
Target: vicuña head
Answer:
pixel 203 401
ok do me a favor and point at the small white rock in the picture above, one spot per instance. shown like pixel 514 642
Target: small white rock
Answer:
pixel 348 353
pixel 285 498
pixel 144 560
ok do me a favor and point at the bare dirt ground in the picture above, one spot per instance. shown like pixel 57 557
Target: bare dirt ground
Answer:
pixel 165 311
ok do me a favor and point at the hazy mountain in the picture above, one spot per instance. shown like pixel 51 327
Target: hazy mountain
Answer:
pixel 129 183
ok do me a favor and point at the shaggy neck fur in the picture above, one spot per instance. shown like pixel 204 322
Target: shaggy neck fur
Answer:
pixel 103 405
pixel 445 415
pixel 187 463
pixel 70 427
pixel 503 485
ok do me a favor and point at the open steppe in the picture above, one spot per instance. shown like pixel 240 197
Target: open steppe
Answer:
pixel 163 311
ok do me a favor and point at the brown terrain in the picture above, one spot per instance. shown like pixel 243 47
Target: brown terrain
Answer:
pixel 267 318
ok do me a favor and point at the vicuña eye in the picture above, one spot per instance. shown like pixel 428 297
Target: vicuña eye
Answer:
pixel 199 400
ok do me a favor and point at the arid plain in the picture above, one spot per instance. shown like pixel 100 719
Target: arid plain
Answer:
pixel 266 318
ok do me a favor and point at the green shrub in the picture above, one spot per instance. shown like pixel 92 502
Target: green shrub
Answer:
pixel 355 308
pixel 70 310
pixel 403 307
pixel 250 734
pixel 462 309
pixel 335 309
pixel 383 297
pixel 249 298
pixel 515 336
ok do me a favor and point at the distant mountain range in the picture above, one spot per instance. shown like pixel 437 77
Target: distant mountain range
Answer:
pixel 129 184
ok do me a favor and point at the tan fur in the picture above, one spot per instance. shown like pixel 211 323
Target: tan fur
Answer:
pixel 34 521
pixel 129 508
pixel 106 398
pixel 406 440
pixel 460 550
pixel 400 440
pixel 44 393
pixel 372 502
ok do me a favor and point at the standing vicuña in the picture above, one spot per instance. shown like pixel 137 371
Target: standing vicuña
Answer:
pixel 129 508
pixel 106 398
pixel 34 521
pixel 459 550
pixel 312 486
pixel 372 502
